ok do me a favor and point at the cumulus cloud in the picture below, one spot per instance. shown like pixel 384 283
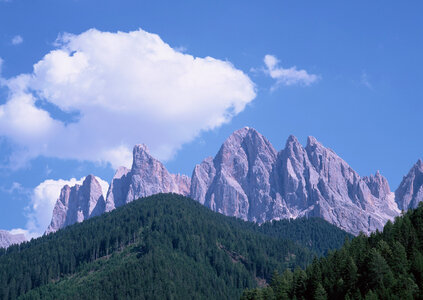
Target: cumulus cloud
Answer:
pixel 17 39
pixel 126 88
pixel 289 76
pixel 43 199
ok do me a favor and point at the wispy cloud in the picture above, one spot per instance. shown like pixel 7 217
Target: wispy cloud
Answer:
pixel 287 76
pixel 17 39
pixel 16 187
pixel 364 80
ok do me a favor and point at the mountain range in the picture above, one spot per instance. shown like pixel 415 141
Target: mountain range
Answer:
pixel 249 179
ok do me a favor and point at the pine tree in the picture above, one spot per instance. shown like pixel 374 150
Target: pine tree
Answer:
pixel 320 293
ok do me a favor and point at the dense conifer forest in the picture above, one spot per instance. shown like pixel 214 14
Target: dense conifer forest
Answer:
pixel 386 265
pixel 163 246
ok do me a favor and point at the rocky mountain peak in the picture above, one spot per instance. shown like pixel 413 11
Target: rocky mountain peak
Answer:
pixel 245 140
pixel 77 203
pixel 378 185
pixel 410 192
pixel 293 147
pixel 250 180
pixel 237 181
pixel 141 157
pixel 147 176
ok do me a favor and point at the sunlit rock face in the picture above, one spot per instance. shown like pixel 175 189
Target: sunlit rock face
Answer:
pixel 147 177
pixel 248 179
pixel 410 192
pixel 237 182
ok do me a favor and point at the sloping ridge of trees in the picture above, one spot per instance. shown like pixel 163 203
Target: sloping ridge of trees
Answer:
pixel 385 265
pixel 163 246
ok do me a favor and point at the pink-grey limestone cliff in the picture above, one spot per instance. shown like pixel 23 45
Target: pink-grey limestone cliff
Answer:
pixel 147 177
pixel 7 239
pixel 410 192
pixel 248 179
pixel 77 203
pixel 237 181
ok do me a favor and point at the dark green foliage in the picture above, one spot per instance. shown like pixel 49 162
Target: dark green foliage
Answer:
pixel 385 265
pixel 163 246
pixel 314 233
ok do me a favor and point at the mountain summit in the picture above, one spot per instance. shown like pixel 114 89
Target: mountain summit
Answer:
pixel 147 177
pixel 77 203
pixel 410 191
pixel 237 181
pixel 250 180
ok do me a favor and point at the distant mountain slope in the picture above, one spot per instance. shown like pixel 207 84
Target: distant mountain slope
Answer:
pixel 163 246
pixel 410 192
pixel 386 265
pixel 7 239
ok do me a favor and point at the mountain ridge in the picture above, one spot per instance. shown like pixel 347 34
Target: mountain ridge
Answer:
pixel 249 179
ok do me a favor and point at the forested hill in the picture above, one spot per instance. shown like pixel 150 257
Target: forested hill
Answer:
pixel 163 246
pixel 386 265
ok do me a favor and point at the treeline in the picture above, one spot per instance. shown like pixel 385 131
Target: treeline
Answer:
pixel 163 246
pixel 386 265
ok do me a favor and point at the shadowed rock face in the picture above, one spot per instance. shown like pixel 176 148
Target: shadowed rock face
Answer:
pixel 77 203
pixel 410 192
pixel 7 239
pixel 250 180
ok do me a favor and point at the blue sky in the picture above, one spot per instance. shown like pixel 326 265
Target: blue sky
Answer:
pixel 360 91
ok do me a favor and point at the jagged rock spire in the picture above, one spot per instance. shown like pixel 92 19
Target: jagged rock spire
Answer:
pixel 410 192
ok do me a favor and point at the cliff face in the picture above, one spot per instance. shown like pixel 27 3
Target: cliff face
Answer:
pixel 147 177
pixel 410 192
pixel 237 181
pixel 250 180
pixel 77 203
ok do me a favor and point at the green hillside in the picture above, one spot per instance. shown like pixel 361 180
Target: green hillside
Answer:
pixel 161 247
pixel 386 265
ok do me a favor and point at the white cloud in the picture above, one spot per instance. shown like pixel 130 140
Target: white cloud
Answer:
pixel 19 231
pixel 128 88
pixel 43 199
pixel 17 39
pixel 290 76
